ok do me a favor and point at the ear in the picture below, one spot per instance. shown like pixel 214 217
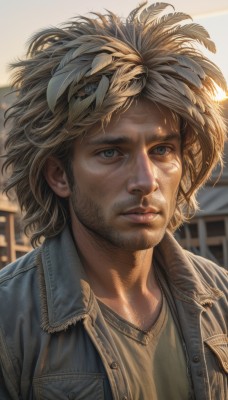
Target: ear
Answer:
pixel 56 177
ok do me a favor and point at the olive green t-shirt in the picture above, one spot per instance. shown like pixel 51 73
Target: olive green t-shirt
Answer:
pixel 154 361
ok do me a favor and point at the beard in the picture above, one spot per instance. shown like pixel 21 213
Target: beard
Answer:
pixel 91 217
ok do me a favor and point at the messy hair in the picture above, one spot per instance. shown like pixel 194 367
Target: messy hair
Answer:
pixel 91 68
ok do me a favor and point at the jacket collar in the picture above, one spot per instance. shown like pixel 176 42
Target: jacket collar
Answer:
pixel 66 296
pixel 181 269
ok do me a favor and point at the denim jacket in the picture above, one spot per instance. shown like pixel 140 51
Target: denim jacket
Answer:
pixel 54 341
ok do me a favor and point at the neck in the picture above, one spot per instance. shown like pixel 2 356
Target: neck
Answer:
pixel 124 280
pixel 113 270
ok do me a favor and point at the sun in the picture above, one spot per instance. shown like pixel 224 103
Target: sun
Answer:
pixel 219 94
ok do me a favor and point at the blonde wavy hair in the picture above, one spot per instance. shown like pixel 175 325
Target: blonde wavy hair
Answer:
pixel 91 68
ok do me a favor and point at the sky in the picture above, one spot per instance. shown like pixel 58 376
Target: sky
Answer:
pixel 19 19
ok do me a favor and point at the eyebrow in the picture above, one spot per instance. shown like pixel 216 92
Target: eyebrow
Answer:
pixel 126 140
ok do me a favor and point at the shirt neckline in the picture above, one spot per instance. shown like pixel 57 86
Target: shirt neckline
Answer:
pixel 132 331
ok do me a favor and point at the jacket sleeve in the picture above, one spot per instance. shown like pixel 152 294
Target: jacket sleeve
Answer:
pixel 8 382
pixel 4 392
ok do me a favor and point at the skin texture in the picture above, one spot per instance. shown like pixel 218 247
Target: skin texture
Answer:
pixel 135 164
pixel 126 181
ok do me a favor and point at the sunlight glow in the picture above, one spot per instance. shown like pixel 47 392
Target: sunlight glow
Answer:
pixel 220 95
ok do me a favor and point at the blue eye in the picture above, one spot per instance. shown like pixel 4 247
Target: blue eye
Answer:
pixel 109 153
pixel 162 150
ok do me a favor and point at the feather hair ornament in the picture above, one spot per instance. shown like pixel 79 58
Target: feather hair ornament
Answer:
pixel 77 76
pixel 183 66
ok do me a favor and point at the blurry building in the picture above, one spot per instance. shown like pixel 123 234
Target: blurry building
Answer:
pixel 13 243
pixel 207 233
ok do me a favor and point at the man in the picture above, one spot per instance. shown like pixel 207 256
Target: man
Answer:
pixel 113 132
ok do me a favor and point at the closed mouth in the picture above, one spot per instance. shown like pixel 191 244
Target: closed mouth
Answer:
pixel 142 211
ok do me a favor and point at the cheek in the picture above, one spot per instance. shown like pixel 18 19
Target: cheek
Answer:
pixel 176 180
pixel 171 175
pixel 103 182
pixel 169 185
pixel 93 186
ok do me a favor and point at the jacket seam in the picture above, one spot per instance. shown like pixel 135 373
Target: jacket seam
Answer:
pixel 45 323
pixel 43 294
pixel 16 273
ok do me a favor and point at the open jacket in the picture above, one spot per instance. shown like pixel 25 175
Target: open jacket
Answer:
pixel 54 341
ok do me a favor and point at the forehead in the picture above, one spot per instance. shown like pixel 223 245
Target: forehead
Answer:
pixel 142 116
pixel 144 110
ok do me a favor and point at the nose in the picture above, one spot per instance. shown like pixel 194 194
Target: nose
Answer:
pixel 143 178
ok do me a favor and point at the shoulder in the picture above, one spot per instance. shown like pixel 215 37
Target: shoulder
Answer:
pixel 19 283
pixel 213 274
pixel 19 267
pixel 20 313
pixel 20 300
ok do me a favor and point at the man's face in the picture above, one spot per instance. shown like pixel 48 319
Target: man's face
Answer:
pixel 126 179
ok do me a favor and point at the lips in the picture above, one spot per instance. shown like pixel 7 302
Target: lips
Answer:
pixel 141 215
pixel 141 210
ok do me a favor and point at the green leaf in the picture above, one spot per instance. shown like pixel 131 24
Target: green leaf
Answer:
pixel 193 65
pixel 60 82
pixel 78 106
pixel 100 62
pixel 102 90
pixel 188 75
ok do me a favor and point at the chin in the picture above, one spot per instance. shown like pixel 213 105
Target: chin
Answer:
pixel 141 242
